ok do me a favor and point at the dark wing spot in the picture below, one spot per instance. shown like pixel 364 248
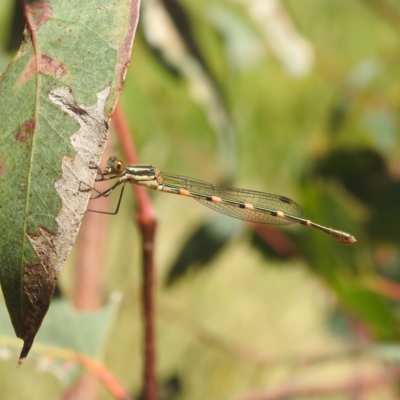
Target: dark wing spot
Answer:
pixel 285 200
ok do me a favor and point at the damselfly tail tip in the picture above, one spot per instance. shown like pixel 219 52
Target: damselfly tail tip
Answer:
pixel 350 240
pixel 342 237
pixel 346 238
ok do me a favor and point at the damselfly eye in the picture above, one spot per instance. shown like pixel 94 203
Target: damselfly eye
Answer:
pixel 114 166
pixel 118 166
pixel 111 162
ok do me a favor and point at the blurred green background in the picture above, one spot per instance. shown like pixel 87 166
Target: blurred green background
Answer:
pixel 298 98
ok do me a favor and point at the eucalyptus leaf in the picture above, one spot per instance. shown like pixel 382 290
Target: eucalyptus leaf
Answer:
pixel 56 98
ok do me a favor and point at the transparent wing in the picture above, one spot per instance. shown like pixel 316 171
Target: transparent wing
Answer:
pixel 265 201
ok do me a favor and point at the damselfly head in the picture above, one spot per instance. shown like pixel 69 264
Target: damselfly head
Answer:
pixel 114 166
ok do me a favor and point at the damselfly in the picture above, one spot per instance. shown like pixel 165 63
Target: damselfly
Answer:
pixel 248 205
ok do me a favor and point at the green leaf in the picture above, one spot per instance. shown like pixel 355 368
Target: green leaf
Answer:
pixel 56 98
pixel 86 334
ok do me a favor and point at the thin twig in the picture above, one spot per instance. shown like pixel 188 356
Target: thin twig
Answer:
pixel 357 385
pixel 95 367
pixel 147 222
pixel 385 10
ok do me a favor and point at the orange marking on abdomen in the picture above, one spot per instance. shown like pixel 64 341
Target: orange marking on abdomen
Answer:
pixel 184 192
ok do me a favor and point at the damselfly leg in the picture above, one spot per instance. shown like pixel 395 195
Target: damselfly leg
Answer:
pixel 104 193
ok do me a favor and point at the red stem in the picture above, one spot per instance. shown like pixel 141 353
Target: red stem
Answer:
pixel 147 222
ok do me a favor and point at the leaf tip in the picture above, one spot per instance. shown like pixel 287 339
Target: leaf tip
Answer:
pixel 20 361
pixel 24 352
